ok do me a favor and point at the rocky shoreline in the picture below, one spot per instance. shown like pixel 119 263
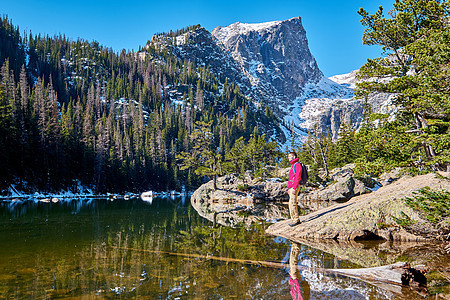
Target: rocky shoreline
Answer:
pixel 347 209
pixel 372 216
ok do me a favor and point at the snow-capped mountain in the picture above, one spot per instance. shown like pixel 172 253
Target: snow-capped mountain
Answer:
pixel 274 56
pixel 272 64
pixel 276 59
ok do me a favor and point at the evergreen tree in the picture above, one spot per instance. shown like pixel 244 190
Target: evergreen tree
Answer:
pixel 237 160
pixel 205 159
pixel 415 38
pixel 347 147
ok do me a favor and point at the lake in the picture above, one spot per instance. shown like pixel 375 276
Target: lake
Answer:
pixel 162 249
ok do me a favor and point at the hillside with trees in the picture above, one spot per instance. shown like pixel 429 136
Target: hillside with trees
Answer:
pixel 77 113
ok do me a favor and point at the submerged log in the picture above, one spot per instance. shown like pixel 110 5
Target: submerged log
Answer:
pixel 400 274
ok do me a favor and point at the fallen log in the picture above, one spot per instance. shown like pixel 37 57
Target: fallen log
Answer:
pixel 400 273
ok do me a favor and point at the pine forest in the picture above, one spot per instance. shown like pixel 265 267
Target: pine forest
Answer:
pixel 76 113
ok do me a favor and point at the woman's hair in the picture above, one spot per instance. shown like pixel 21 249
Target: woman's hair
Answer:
pixel 292 152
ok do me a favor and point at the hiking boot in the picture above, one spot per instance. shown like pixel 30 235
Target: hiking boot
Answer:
pixel 295 223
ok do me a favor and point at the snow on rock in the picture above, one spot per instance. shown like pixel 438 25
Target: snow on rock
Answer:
pixel 331 103
pixel 317 98
pixel 274 58
pixel 348 79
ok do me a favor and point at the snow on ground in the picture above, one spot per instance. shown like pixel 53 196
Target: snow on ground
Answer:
pixel 79 191
pixel 13 194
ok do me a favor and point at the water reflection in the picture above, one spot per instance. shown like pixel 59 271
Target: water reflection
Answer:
pixel 234 214
pixel 295 280
pixel 157 250
pixel 307 283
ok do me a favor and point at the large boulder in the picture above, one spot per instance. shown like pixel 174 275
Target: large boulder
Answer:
pixel 342 190
pixel 344 185
pixel 228 205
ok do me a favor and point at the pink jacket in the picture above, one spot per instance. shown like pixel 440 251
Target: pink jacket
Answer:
pixel 296 291
pixel 295 177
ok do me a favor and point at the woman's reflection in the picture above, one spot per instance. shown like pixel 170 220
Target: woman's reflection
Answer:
pixel 295 278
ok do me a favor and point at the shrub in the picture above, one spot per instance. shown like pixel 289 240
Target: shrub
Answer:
pixel 243 187
pixel 434 205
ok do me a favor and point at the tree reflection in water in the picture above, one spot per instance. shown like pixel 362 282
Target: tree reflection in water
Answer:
pixel 162 250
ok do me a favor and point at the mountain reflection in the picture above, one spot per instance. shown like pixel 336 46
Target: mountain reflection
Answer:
pixel 306 285
pixel 158 250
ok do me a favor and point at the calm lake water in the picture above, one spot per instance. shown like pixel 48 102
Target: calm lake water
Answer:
pixel 160 250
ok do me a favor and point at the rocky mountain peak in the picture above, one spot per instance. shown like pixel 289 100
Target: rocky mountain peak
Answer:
pixel 272 64
pixel 274 56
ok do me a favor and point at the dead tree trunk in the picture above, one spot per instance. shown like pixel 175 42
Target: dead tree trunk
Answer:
pixel 400 273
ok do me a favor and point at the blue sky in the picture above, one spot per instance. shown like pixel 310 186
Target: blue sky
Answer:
pixel 333 27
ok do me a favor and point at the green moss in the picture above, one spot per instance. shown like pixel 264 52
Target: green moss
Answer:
pixel 438 283
pixel 405 258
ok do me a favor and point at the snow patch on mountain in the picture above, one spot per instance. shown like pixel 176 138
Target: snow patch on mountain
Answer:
pixel 303 114
pixel 224 34
pixel 348 79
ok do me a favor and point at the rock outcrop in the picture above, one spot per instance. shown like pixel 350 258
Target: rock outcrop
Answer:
pixel 227 191
pixel 344 186
pixel 369 216
pixel 228 206
pixel 248 206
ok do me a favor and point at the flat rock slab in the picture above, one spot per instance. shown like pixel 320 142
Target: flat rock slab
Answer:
pixel 361 216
